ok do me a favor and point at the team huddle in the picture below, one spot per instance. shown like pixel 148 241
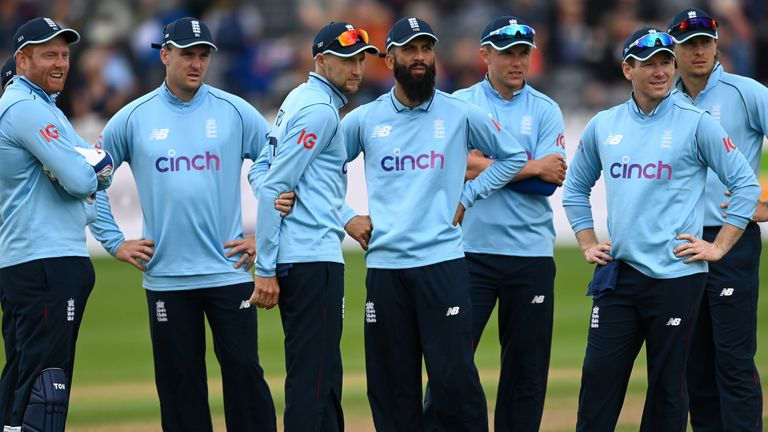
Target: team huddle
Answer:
pixel 459 221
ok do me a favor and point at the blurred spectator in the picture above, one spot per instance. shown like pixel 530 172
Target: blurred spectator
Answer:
pixel 263 44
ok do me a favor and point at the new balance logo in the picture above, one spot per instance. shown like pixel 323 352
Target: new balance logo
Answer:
pixel 158 134
pixel 538 299
pixel 595 317
pixel 245 304
pixel 674 322
pixel 726 292
pixel 452 311
pixel 613 139
pixel 381 131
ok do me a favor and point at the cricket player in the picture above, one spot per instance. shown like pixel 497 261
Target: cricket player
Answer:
pixel 653 152
pixel 185 143
pixel 416 140
pixel 8 71
pixel 48 176
pixel 300 265
pixel 723 382
pixel 509 237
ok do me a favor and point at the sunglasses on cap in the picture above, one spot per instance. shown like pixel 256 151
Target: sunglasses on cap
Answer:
pixel 696 23
pixel 350 37
pixel 653 40
pixel 512 31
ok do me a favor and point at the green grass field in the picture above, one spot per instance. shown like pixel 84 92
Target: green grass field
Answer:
pixel 114 387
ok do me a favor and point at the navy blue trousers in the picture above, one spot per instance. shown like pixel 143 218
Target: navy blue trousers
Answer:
pixel 177 328
pixel 414 312
pixel 659 312
pixel 43 303
pixel 723 382
pixel 311 307
pixel 524 288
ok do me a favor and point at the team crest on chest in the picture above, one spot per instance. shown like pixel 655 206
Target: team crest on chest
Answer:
pixel 211 128
pixel 716 111
pixel 438 127
pixel 666 139
pixel 526 125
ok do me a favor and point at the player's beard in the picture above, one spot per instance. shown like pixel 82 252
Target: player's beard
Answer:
pixel 416 89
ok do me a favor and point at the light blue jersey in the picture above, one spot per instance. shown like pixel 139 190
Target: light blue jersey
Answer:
pixel 186 158
pixel 415 161
pixel 508 222
pixel 306 155
pixel 655 169
pixel 41 218
pixel 740 104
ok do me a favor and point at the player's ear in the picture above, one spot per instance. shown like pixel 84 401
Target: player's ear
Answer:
pixel 164 55
pixel 484 53
pixel 626 68
pixel 389 60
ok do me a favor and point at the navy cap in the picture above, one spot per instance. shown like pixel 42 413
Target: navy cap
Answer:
pixel 186 32
pixel 646 42
pixel 505 31
pixel 406 29
pixel 327 41
pixel 8 70
pixel 41 30
pixel 692 22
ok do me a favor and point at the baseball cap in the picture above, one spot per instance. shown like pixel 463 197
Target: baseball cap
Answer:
pixel 406 29
pixel 186 32
pixel 8 70
pixel 646 42
pixel 41 30
pixel 505 31
pixel 692 22
pixel 343 40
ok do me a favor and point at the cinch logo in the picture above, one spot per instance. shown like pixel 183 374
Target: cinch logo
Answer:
pixel 50 132
pixel 206 162
pixel 650 171
pixel 407 162
pixel 729 145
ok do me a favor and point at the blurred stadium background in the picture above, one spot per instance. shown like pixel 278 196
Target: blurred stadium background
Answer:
pixel 264 53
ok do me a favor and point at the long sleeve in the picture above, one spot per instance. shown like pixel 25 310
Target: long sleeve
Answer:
pixel 487 136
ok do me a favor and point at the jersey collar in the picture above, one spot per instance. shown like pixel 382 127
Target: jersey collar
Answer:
pixel 320 81
pixel 174 101
pixel 662 107
pixel 36 89
pixel 714 78
pixel 492 91
pixel 398 106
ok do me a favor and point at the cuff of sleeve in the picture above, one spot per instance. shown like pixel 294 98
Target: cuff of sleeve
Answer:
pixel 265 273
pixel 581 226
pixel 738 221
pixel 346 215
pixel 467 198
pixel 113 249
